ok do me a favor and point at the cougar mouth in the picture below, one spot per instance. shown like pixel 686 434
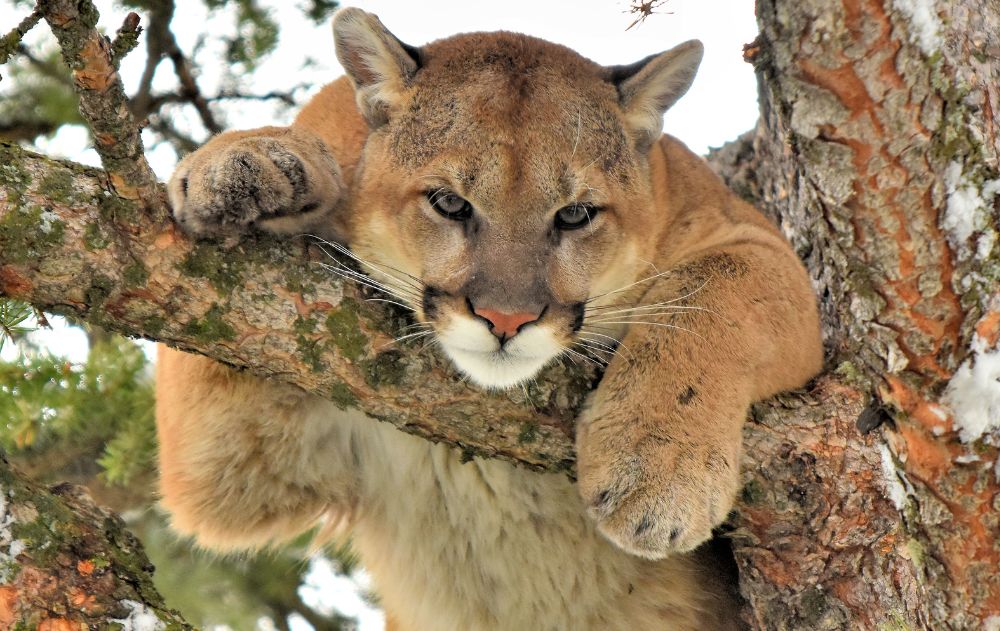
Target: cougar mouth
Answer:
pixel 488 363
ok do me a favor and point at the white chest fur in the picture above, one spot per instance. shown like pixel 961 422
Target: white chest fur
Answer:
pixel 486 545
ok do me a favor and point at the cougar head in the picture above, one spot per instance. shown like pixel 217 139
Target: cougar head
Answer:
pixel 505 181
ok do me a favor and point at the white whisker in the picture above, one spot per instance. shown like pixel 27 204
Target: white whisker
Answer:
pixel 594 352
pixel 666 306
pixel 580 355
pixel 576 141
pixel 666 326
pixel 416 325
pixel 416 281
pixel 413 336
pixel 392 302
pixel 366 281
pixel 646 280
pixel 611 349
pixel 340 267
pixel 604 317
pixel 397 287
pixel 414 286
pixel 433 340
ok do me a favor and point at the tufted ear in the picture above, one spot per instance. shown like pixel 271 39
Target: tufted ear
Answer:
pixel 379 65
pixel 650 87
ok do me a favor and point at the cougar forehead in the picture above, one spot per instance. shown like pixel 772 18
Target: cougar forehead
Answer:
pixel 485 93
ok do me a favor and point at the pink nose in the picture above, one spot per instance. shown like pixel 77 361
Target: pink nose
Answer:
pixel 505 325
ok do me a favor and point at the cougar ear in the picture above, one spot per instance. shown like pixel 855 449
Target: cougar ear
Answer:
pixel 379 65
pixel 650 87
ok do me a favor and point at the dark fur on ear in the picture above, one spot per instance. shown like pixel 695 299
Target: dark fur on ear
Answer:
pixel 649 88
pixel 379 65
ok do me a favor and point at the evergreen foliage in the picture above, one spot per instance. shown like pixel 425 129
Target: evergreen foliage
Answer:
pixel 58 412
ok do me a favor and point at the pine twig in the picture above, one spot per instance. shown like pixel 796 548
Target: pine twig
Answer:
pixel 189 87
pixel 644 9
pixel 126 39
pixel 160 43
pixel 9 42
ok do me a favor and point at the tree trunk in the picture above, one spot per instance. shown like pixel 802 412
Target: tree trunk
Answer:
pixel 877 154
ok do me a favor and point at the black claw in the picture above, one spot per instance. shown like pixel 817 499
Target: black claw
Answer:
pixel 674 535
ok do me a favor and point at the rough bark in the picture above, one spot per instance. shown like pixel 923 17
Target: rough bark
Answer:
pixel 68 565
pixel 872 118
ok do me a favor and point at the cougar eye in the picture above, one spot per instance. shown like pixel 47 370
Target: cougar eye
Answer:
pixel 449 204
pixel 575 216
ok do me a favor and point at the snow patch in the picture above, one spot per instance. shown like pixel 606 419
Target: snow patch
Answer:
pixel 985 244
pixel 939 412
pixel 895 360
pixel 3 508
pixel 9 547
pixel 6 519
pixel 893 484
pixel 46 219
pixel 140 618
pixel 326 590
pixel 925 25
pixel 973 394
pixel 968 212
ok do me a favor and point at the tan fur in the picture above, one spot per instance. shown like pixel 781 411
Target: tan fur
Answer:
pixel 520 128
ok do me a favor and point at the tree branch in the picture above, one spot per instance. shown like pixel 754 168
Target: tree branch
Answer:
pixel 160 13
pixel 65 562
pixel 50 69
pixel 102 101
pixel 10 42
pixel 161 42
pixel 182 142
pixel 69 246
pixel 876 126
pixel 189 87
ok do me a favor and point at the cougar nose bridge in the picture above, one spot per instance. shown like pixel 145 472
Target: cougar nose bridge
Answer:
pixel 507 288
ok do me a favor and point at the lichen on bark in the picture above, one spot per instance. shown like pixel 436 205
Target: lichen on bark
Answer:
pixel 862 131
pixel 66 561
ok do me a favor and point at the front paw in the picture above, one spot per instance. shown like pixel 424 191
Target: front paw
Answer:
pixel 282 181
pixel 655 495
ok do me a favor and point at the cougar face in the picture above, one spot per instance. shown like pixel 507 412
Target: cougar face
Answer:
pixel 503 174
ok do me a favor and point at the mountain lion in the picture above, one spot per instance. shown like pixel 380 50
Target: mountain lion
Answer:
pixel 520 198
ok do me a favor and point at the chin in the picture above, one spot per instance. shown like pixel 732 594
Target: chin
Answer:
pixel 478 355
pixel 496 370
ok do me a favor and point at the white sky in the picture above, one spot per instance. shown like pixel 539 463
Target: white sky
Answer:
pixel 721 105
